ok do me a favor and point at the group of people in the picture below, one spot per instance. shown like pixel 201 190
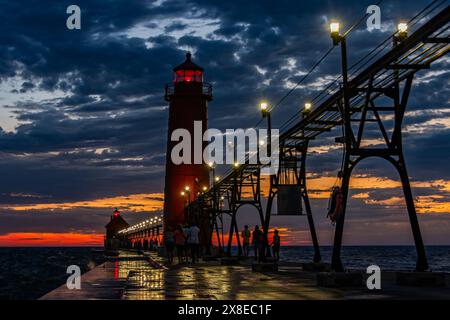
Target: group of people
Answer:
pixel 184 239
pixel 257 241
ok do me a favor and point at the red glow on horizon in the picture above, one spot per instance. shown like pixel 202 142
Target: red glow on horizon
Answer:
pixel 69 239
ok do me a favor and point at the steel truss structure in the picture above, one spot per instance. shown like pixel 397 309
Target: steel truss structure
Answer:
pixel 356 104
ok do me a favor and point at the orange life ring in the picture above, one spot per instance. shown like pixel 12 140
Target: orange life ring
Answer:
pixel 335 204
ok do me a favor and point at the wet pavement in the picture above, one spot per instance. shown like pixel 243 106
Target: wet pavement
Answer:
pixel 214 281
pixel 131 276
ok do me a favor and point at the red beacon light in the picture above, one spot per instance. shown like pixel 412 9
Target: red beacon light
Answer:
pixel 188 81
pixel 116 213
pixel 188 71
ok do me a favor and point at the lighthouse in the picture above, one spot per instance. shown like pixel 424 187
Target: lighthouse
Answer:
pixel 188 98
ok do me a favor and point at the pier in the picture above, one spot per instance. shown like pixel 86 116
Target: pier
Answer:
pixel 145 276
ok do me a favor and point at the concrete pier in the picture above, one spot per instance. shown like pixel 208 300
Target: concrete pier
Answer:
pixel 133 276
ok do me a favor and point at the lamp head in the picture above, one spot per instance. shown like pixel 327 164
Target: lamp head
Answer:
pixel 335 32
pixel 402 31
pixel 264 106
pixel 308 106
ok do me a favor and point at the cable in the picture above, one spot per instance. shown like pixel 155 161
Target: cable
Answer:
pixel 377 50
pixel 302 79
pixel 354 25
pixel 357 23
pixel 383 44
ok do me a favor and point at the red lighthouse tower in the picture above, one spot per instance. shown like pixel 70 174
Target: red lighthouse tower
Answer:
pixel 188 96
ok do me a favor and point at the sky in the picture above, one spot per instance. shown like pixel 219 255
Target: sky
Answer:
pixel 83 118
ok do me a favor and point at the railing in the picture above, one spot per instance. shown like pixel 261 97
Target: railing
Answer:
pixel 188 88
pixel 152 223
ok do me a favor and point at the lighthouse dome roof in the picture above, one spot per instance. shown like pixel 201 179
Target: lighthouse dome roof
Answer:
pixel 188 64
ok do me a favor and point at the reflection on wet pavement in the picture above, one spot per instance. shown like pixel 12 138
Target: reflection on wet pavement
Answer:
pixel 214 281
pixel 134 276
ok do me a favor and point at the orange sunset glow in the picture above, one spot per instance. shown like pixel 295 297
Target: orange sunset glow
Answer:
pixel 364 187
pixel 134 202
pixel 50 239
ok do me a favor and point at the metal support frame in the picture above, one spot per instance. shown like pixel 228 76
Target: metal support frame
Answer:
pixel 292 171
pixel 392 151
pixel 244 180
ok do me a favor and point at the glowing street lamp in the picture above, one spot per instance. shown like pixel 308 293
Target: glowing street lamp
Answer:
pixel 335 32
pixel 217 179
pixel 263 106
pixel 307 108
pixel 402 31
pixel 402 27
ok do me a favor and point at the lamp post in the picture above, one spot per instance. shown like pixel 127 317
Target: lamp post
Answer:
pixel 187 191
pixel 212 166
pixel 336 263
pixel 183 194
pixel 340 39
pixel 266 114
pixel 304 113
pixel 402 34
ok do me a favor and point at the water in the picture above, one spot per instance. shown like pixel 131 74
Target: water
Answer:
pixel 29 273
pixel 386 257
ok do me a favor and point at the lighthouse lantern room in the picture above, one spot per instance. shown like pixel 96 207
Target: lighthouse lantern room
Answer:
pixel 188 71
